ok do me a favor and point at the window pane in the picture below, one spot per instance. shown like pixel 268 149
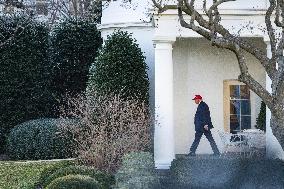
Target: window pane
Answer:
pixel 246 122
pixel 245 107
pixel 234 123
pixel 245 94
pixel 234 91
pixel 235 106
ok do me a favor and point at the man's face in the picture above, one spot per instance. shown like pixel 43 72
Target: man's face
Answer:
pixel 197 101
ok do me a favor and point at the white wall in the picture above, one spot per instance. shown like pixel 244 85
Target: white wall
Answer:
pixel 119 12
pixel 201 69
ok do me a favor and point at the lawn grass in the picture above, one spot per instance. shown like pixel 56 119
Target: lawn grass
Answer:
pixel 23 175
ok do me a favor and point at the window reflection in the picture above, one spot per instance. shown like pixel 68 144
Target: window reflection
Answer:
pixel 234 91
pixel 246 122
pixel 234 123
pixel 235 107
pixel 240 110
pixel 245 107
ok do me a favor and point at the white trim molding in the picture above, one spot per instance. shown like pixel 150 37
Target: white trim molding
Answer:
pixel 125 25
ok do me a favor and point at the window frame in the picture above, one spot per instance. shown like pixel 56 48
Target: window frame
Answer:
pixel 227 101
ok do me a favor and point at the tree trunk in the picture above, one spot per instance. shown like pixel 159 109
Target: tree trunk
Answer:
pixel 277 126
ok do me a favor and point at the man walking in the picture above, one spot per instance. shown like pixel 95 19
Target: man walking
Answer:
pixel 203 124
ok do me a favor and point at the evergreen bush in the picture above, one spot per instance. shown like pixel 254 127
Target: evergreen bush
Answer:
pixel 261 119
pixel 74 182
pixel 50 170
pixel 137 172
pixel 25 72
pixel 74 46
pixel 24 175
pixel 104 179
pixel 40 139
pixel 120 69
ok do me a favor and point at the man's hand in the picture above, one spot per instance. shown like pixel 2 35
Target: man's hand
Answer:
pixel 206 127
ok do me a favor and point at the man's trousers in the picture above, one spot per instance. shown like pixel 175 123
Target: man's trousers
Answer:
pixel 208 134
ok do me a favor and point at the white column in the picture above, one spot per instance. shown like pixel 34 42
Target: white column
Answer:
pixel 164 124
pixel 273 148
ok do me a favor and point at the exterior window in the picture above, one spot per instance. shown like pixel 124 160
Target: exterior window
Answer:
pixel 240 111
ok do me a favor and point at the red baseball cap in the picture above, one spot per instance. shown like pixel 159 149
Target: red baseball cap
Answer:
pixel 197 97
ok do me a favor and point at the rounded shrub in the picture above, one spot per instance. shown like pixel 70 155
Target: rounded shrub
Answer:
pixel 74 182
pixel 51 169
pixel 137 172
pixel 120 69
pixel 40 139
pixel 25 72
pixel 104 179
pixel 74 46
pixel 137 161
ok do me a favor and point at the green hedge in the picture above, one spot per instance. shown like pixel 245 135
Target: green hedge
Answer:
pixel 74 46
pixel 24 175
pixel 39 139
pixel 104 179
pixel 137 172
pixel 226 172
pixel 261 119
pixel 120 69
pixel 25 78
pixel 74 182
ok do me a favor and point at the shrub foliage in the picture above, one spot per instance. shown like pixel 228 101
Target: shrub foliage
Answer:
pixel 74 182
pixel 74 46
pixel 120 69
pixel 38 139
pixel 137 172
pixel 104 179
pixel 25 72
pixel 111 128
pixel 261 119
pixel 24 175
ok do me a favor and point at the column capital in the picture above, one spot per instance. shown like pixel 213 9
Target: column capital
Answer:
pixel 164 39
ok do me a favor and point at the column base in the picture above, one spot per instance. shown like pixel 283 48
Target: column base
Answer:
pixel 166 164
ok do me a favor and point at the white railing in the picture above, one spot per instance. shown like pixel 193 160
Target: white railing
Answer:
pixel 250 140
pixel 235 141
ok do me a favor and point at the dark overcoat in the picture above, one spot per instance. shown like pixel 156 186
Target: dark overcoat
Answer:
pixel 202 117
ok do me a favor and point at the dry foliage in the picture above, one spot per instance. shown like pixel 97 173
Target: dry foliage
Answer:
pixel 111 127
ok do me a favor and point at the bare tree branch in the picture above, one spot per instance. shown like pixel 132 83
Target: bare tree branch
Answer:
pixel 251 48
pixel 230 45
pixel 279 11
pixel 259 90
pixel 270 30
